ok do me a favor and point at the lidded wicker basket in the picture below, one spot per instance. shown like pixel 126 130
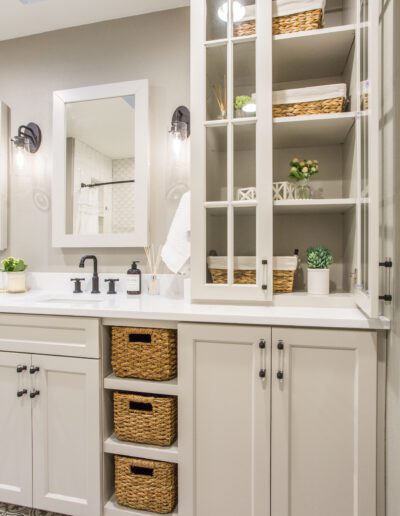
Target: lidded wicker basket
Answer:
pixel 147 353
pixel 146 485
pixel 145 419
pixel 315 100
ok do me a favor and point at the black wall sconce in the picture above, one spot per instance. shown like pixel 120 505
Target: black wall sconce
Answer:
pixel 29 138
pixel 180 123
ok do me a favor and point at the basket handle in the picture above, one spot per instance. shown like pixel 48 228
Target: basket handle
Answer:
pixel 141 406
pixel 142 338
pixel 140 470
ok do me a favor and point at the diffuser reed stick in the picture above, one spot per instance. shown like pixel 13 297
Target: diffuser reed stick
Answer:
pixel 153 255
pixel 220 96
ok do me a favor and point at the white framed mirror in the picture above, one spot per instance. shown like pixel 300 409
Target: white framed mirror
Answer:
pixel 100 166
pixel 4 168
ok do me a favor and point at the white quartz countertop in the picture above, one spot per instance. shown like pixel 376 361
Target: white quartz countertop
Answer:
pixel 163 308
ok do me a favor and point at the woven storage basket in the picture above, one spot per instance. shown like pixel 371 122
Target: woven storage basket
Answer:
pixel 316 107
pixel 145 353
pixel 298 22
pixel 284 268
pixel 146 485
pixel 145 419
pixel 244 28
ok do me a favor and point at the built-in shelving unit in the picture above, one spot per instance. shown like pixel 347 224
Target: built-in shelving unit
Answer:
pixel 300 206
pixel 312 130
pixel 133 385
pixel 111 444
pixel 112 508
pixel 319 53
pixel 144 451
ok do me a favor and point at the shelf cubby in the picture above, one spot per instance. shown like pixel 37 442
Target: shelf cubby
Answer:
pixel 114 446
pixel 113 382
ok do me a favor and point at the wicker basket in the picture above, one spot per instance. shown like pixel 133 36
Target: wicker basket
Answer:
pixel 283 273
pixel 244 28
pixel 145 353
pixel 145 419
pixel 146 485
pixel 316 107
pixel 298 22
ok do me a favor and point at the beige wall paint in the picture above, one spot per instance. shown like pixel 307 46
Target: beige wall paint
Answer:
pixel 154 46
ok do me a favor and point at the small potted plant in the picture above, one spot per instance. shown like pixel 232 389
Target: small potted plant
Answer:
pixel 301 171
pixel 15 269
pixel 240 102
pixel 319 259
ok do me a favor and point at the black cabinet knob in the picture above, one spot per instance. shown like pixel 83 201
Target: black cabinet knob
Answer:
pixel 262 373
pixel 34 393
pixel 21 392
pixel 34 369
pixel 279 375
pixel 21 368
pixel 111 285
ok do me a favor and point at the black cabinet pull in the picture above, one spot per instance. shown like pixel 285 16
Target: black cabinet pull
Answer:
pixel 262 344
pixel 34 393
pixel 34 369
pixel 21 392
pixel 21 368
pixel 262 373
pixel 279 375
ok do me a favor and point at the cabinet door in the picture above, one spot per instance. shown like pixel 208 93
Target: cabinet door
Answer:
pixel 15 430
pixel 370 162
pixel 231 153
pixel 66 435
pixel 224 411
pixel 323 423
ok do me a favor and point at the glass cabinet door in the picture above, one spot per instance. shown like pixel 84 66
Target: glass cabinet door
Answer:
pixel 367 287
pixel 231 150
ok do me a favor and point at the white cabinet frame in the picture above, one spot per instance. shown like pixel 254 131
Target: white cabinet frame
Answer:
pixel 139 237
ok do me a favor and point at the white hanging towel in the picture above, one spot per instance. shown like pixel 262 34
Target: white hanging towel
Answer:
pixel 87 219
pixel 288 7
pixel 176 250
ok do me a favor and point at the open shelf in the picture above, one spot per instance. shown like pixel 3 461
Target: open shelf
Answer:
pixel 114 446
pixel 313 206
pixel 112 508
pixel 134 385
pixel 312 54
pixel 312 130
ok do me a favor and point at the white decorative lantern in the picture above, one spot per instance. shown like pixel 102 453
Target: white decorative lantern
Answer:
pixel 283 190
pixel 246 194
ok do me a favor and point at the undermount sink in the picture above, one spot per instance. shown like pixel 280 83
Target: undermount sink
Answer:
pixel 70 299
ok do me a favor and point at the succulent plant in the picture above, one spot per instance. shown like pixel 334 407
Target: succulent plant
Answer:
pixel 319 258
pixel 13 265
pixel 303 169
pixel 241 100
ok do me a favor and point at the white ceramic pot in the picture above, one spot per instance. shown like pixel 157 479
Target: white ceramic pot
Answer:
pixel 318 282
pixel 16 282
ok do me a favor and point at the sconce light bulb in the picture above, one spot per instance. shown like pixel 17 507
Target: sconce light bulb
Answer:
pixel 20 158
pixel 239 11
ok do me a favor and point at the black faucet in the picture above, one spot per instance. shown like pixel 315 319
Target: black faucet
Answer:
pixel 95 277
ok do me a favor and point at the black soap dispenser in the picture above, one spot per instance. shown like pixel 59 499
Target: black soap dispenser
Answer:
pixel 134 280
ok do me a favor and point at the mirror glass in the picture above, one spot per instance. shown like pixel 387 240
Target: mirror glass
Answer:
pixel 100 166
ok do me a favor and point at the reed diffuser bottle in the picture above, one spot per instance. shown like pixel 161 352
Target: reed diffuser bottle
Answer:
pixel 153 259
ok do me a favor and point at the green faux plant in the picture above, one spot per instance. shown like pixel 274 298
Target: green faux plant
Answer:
pixel 303 169
pixel 13 265
pixel 241 101
pixel 319 258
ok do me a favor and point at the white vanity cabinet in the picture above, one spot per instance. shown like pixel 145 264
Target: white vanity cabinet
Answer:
pixel 301 439
pixel 224 408
pixel 323 443
pixel 50 416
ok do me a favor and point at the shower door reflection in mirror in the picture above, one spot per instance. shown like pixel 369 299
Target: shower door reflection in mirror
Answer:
pixel 101 144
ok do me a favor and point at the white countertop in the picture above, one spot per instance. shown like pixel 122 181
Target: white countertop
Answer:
pixel 163 308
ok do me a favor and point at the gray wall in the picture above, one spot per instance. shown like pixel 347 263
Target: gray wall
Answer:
pixel 154 46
